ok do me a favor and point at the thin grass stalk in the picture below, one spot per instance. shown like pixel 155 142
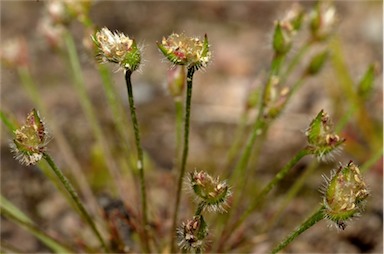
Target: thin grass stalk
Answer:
pixel 292 192
pixel 90 114
pixel 258 130
pixel 278 177
pixel 68 186
pixel 120 120
pixel 74 165
pixel 294 62
pixel 261 196
pixel 49 241
pixel 371 161
pixel 238 140
pixel 190 73
pixel 140 160
pixel 347 84
pixel 316 217
pixel 179 129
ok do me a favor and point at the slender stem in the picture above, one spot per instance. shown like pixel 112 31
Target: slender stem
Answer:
pixel 140 159
pixel 200 208
pixel 52 243
pixel 68 186
pixel 260 197
pixel 190 73
pixel 296 60
pixel 179 127
pixel 74 165
pixel 91 116
pixel 278 177
pixel 292 192
pixel 316 217
pixel 372 160
pixel 238 140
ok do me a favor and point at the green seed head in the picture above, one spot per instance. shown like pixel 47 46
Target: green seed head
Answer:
pixel 192 233
pixel 344 194
pixel 213 192
pixel 321 138
pixel 30 140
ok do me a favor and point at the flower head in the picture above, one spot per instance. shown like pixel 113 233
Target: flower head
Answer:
pixel 321 138
pixel 117 48
pixel 213 192
pixel 62 11
pixel 14 53
pixel 192 233
pixel 322 21
pixel 344 193
pixel 30 140
pixel 188 51
pixel 286 28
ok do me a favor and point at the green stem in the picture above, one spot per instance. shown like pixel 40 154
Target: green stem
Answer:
pixel 296 60
pixel 292 192
pixel 316 217
pixel 200 208
pixel 140 159
pixel 52 243
pixel 190 73
pixel 372 160
pixel 33 93
pixel 179 126
pixel 278 177
pixel 238 140
pixel 260 197
pixel 68 186
pixel 91 116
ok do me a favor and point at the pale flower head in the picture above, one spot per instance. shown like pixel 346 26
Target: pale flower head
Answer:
pixel 183 50
pixel 30 140
pixel 115 47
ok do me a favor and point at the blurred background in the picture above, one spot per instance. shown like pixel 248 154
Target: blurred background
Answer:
pixel 240 37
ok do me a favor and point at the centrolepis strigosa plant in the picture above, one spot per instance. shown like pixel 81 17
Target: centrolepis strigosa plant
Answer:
pixel 127 201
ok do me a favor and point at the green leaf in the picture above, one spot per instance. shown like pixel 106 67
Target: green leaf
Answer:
pixel 13 213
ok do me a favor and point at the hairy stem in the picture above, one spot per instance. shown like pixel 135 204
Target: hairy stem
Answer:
pixel 140 160
pixel 68 186
pixel 261 196
pixel 179 126
pixel 190 73
pixel 278 177
pixel 316 217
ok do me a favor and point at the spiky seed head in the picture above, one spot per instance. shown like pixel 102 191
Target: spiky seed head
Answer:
pixel 183 50
pixel 115 47
pixel 321 138
pixel 192 233
pixel 30 140
pixel 213 192
pixel 344 194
